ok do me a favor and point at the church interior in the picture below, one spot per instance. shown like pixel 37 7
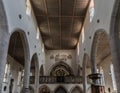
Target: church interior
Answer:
pixel 60 46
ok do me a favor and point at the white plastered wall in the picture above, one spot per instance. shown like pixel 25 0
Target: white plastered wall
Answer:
pixel 103 12
pixel 49 63
pixel 27 24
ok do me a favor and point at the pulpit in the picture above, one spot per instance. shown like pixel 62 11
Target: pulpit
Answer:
pixel 97 86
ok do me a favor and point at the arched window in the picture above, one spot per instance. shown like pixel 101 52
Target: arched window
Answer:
pixel 7 70
pixel 43 50
pixel 28 7
pixel 113 77
pixel 38 34
pixel 91 10
pixel 19 77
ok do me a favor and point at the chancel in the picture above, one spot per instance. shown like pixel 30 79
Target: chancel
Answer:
pixel 59 46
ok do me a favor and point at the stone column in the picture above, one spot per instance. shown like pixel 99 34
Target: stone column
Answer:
pixel 93 68
pixel 93 65
pixel 84 78
pixel 37 79
pixel 37 83
pixel 26 78
pixel 3 59
pixel 115 51
pixel 84 84
pixel 4 42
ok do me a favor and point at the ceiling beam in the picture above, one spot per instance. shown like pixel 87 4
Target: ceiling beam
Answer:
pixel 61 16
pixel 60 23
pixel 47 15
pixel 72 23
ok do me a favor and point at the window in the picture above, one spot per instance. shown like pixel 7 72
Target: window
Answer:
pixel 83 35
pixel 38 34
pixel 103 77
pixel 113 77
pixel 19 77
pixel 7 70
pixel 78 49
pixel 43 48
pixel 91 10
pixel 28 7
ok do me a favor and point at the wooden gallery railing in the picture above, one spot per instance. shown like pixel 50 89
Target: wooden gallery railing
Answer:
pixel 58 79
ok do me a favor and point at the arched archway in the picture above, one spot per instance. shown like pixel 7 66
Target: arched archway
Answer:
pixel 61 69
pixel 60 89
pixel 115 40
pixel 99 41
pixel 101 60
pixel 34 71
pixel 44 89
pixel 76 89
pixel 17 63
pixel 86 71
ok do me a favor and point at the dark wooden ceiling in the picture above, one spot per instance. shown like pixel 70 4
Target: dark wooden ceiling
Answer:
pixel 60 21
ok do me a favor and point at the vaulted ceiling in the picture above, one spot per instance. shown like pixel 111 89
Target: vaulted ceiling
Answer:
pixel 60 21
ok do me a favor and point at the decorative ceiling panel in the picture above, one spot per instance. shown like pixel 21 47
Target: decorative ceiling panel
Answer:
pixel 60 21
